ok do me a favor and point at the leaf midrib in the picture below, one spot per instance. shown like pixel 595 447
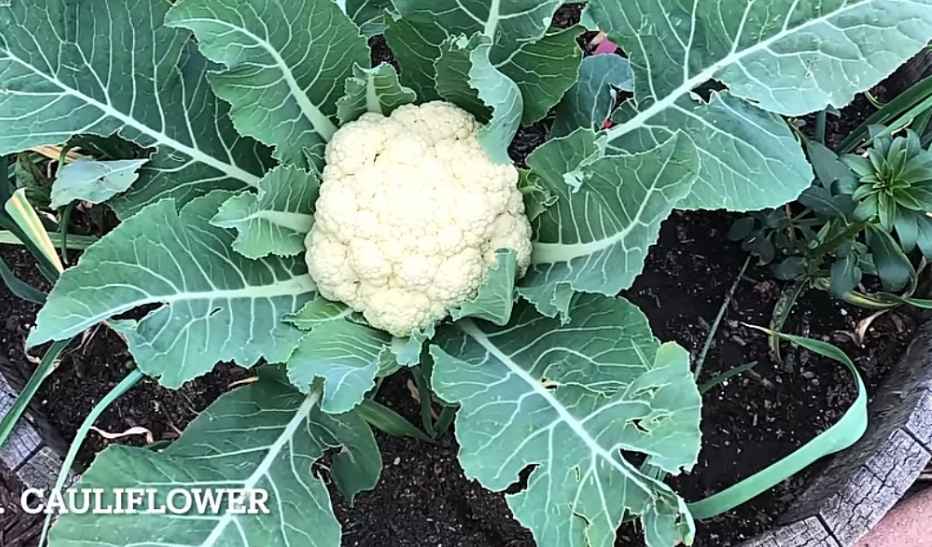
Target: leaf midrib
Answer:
pixel 551 253
pixel 709 73
pixel 468 327
pixel 295 286
pixel 262 470
pixel 319 121
pixel 158 136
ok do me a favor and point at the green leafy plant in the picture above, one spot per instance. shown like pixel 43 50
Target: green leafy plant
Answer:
pixel 242 103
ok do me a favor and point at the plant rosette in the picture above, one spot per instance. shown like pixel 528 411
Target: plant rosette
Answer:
pixel 267 123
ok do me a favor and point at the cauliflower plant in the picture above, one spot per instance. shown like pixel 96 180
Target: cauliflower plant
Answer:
pixel 410 214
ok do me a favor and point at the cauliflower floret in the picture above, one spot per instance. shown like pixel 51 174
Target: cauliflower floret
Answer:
pixel 410 214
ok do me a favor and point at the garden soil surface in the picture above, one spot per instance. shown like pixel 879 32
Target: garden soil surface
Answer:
pixel 423 498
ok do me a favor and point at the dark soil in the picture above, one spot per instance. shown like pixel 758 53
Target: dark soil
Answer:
pixel 423 497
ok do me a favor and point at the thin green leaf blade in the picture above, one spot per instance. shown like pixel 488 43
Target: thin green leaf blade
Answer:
pixel 568 404
pixel 275 220
pixel 843 434
pixel 282 75
pixel 213 304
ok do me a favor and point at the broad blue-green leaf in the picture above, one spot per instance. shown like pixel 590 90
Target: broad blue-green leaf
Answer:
pixel 749 158
pixel 346 355
pixel 265 436
pixel 544 70
pixel 568 400
pixel 286 62
pixel 72 67
pixel 275 220
pixel 212 303
pixel 369 15
pixel 466 77
pixel 510 25
pixel 595 238
pixel 786 56
pixel 372 90
pixel 590 102
pixel 394 353
pixel 93 181
pixel 496 296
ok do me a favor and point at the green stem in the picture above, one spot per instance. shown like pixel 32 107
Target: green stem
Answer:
pixel 63 232
pixel 427 418
pixel 820 126
pixel 75 242
pixel 445 420
pixel 46 367
pixel 700 361
pixel 125 385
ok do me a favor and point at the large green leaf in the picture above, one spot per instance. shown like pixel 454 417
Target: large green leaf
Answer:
pixel 512 26
pixel 286 62
pixel 212 303
pixel 265 436
pixel 607 215
pixel 466 78
pixel 369 15
pixel 277 218
pixel 71 67
pixel 346 355
pixel 373 90
pixel 545 70
pixel 590 102
pixel 568 400
pixel 786 56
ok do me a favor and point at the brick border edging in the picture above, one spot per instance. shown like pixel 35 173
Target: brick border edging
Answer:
pixel 861 484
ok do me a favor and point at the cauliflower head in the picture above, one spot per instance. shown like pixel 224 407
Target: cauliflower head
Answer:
pixel 410 214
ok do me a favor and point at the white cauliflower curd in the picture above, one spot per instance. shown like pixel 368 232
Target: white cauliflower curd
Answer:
pixel 410 214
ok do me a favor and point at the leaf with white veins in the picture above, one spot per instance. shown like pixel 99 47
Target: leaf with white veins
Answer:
pixel 285 67
pixel 595 238
pixel 786 56
pixel 372 90
pixel 568 400
pixel 212 303
pixel 69 67
pixel 466 77
pixel 590 102
pixel 276 219
pixel 510 26
pixel 346 355
pixel 369 15
pixel 93 181
pixel 264 436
